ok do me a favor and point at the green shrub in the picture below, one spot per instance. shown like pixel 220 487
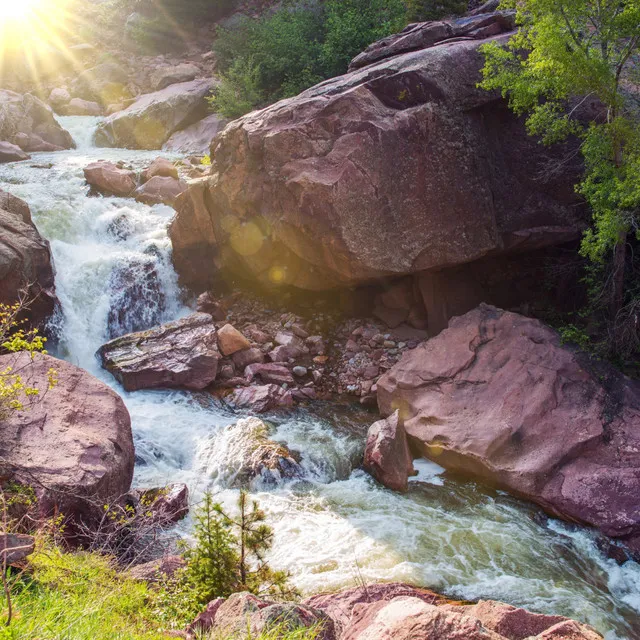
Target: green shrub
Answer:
pixel 301 44
pixel 423 10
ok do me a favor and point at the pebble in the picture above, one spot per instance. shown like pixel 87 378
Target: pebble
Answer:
pixel 300 372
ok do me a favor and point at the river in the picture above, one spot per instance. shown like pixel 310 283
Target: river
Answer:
pixel 336 527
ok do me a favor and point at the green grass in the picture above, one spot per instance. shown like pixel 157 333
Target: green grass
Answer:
pixel 80 596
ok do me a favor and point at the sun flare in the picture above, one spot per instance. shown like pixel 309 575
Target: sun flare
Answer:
pixel 19 10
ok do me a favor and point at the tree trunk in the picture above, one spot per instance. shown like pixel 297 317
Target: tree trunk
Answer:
pixel 619 261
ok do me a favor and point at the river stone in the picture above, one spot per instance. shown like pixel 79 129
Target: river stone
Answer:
pixel 230 340
pixel 260 399
pixel 73 445
pixel 177 354
pixel 160 190
pixel 498 396
pixel 108 179
pixel 154 117
pixel 386 456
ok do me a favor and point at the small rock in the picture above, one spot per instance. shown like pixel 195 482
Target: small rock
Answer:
pixel 300 372
pixel 230 340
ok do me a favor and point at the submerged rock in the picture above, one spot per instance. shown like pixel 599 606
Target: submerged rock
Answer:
pixel 154 117
pixel 73 445
pixel 497 396
pixel 178 354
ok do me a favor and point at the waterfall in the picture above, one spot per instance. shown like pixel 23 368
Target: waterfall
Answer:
pixel 334 526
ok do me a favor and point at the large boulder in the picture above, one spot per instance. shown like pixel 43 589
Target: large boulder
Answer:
pixel 28 115
pixel 166 76
pixel 499 397
pixel 25 260
pixel 403 612
pixel 105 84
pixel 108 179
pixel 397 168
pixel 154 117
pixel 178 354
pixel 160 190
pixel 73 443
pixel 196 138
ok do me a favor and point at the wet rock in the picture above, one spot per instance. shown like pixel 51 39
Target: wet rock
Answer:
pixel 488 390
pixel 11 153
pixel 73 445
pixel 230 340
pixel 260 399
pixel 177 354
pixel 207 303
pixel 28 115
pixel 108 179
pixel 269 373
pixel 387 457
pixel 196 138
pixel 159 190
pixel 254 455
pixel 166 76
pixel 154 117
pixel 160 167
pixel 25 260
pixel 137 299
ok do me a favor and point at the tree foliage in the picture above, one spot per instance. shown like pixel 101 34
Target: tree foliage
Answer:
pixel 229 554
pixel 564 56
pixel 295 47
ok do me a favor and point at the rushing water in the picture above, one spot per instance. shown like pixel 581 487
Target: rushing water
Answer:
pixel 335 527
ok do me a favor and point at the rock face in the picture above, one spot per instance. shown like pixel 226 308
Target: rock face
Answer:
pixel 153 118
pixel 177 354
pixel 397 168
pixel 386 456
pixel 391 611
pixel 196 138
pixel 497 396
pixel 74 444
pixel 29 116
pixel 25 259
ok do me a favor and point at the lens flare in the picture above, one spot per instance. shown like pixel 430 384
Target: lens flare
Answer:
pixel 19 10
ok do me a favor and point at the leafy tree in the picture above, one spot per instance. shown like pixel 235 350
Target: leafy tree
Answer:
pixel 15 394
pixel 229 554
pixel 297 46
pixel 565 53
pixel 422 10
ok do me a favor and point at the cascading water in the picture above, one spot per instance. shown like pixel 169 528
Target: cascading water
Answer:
pixel 335 526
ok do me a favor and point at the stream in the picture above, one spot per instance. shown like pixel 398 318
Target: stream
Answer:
pixel 335 527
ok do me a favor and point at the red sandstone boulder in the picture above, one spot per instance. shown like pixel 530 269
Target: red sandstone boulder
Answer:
pixel 160 190
pixel 196 138
pixel 80 107
pixel 497 396
pixel 73 445
pixel 230 340
pixel 25 259
pixel 108 179
pixel 160 167
pixel 177 354
pixel 365 176
pixel 11 153
pixel 386 456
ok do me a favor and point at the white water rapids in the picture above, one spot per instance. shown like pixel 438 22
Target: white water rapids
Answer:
pixel 336 526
